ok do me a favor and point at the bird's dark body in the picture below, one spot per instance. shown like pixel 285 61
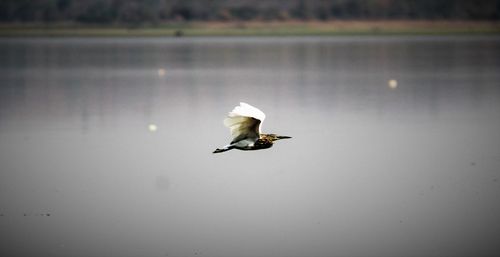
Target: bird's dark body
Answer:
pixel 265 141
pixel 262 143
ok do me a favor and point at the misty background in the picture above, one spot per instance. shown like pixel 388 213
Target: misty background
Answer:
pixel 157 11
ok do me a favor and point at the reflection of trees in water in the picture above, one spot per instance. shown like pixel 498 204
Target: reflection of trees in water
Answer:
pixel 104 82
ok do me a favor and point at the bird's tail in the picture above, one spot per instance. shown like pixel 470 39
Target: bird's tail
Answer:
pixel 225 148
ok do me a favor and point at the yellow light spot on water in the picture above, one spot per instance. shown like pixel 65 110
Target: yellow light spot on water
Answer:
pixel 152 127
pixel 161 72
pixel 393 84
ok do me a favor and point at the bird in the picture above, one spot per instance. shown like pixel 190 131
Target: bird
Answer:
pixel 245 122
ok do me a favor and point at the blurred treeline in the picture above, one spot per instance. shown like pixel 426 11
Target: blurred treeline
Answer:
pixel 158 11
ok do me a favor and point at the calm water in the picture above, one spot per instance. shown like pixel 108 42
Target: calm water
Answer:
pixel 372 170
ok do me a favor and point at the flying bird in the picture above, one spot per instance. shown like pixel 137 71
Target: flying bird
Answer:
pixel 245 122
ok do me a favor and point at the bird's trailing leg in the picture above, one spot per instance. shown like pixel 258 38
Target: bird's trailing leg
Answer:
pixel 225 148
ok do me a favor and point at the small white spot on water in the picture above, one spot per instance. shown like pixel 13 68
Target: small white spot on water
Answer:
pixel 152 127
pixel 392 83
pixel 161 72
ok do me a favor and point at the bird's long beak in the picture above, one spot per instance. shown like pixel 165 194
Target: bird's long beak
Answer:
pixel 283 137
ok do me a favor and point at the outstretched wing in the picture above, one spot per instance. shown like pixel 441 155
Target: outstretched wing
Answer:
pixel 244 121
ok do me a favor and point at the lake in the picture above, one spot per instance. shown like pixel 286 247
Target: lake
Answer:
pixel 106 146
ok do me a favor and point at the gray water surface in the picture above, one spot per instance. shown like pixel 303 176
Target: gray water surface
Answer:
pixel 372 170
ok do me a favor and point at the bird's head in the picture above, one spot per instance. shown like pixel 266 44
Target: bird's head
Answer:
pixel 274 137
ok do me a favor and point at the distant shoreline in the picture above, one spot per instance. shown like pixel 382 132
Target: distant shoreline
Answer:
pixel 256 28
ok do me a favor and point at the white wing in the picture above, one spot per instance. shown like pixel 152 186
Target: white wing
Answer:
pixel 244 121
